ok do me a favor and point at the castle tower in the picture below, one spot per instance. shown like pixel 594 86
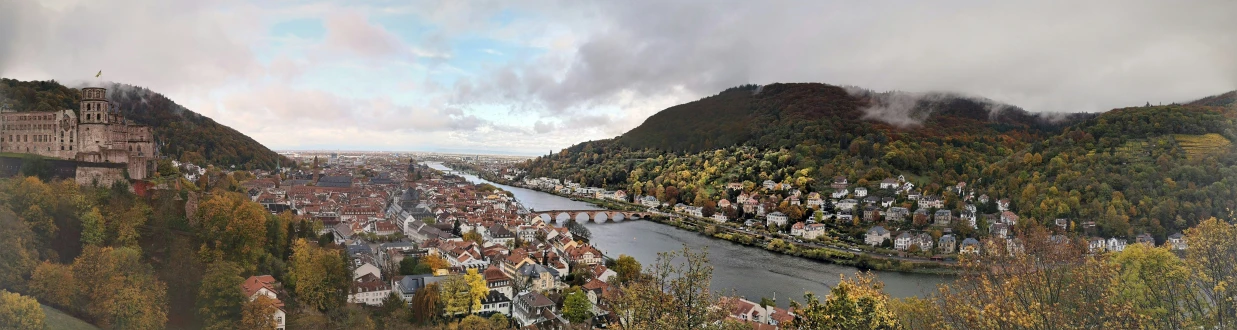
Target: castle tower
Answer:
pixel 94 106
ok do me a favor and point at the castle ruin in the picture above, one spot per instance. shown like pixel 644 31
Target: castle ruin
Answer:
pixel 96 133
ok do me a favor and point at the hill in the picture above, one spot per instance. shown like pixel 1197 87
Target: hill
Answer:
pixel 1131 170
pixel 181 133
pixel 1223 100
pixel 810 132
pixel 782 115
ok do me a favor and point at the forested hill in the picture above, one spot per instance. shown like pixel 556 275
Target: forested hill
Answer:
pixel 783 115
pixel 1156 169
pixel 181 133
pixel 1223 100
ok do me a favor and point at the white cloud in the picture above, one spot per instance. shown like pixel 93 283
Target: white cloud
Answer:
pixel 589 70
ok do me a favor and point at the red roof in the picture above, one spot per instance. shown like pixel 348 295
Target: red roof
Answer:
pixel 255 283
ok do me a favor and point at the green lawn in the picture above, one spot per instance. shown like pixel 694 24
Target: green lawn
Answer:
pixel 59 320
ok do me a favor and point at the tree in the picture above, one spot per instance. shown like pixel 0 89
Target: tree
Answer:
pixel 318 276
pixel 220 297
pixel 231 228
pixel 391 304
pixel 456 294
pixel 576 307
pixel 1212 254
pixel 474 322
pixel 93 227
pixel 411 266
pixel 499 321
pixel 18 253
pixel 578 230
pixel 425 304
pixel 477 288
pixel 858 303
pixel 118 290
pixel 435 262
pixel 627 268
pixel 1158 284
pixel 20 312
pixel 54 284
pixel 1045 284
pixel 258 314
pixel 474 236
pixel 671 295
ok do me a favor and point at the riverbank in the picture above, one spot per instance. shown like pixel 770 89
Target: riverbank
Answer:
pixel 843 256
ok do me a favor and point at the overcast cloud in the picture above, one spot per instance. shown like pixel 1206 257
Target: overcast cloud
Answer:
pixel 535 76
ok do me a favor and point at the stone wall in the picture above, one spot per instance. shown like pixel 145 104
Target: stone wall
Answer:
pixel 99 176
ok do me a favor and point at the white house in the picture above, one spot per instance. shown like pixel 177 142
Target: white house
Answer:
pixel 776 218
pixel 861 192
pixel 1177 241
pixel 876 236
pixel 889 183
pixel 1116 244
pixel 904 241
pixel 369 291
pixel 840 193
pixel 797 229
pixel 649 201
pixel 847 204
pixel 814 230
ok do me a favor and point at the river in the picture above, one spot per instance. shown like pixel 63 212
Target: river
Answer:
pixel 746 271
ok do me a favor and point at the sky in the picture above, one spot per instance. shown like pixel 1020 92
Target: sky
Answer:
pixel 533 77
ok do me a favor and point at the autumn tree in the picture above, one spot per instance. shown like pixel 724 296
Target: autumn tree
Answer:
pixel 434 262
pixel 671 295
pixel 474 322
pixel 54 283
pixel 20 312
pixel 319 277
pixel 473 236
pixel 627 268
pixel 220 297
pixel 257 314
pixel 118 290
pixel 1212 254
pixel 1042 284
pixel 1157 282
pixel 231 228
pixel 477 288
pixel 858 303
pixel 18 250
pixel 425 305
pixel 456 294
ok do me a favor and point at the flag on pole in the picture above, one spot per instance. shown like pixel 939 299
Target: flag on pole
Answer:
pixel 98 74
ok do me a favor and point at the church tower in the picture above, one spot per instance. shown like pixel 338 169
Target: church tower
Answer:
pixel 94 106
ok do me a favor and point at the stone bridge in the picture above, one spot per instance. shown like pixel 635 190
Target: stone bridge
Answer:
pixel 593 215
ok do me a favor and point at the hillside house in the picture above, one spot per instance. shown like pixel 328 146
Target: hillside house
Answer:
pixel 876 236
pixel 1176 241
pixel 969 246
pixel 265 285
pixel 946 244
pixel 777 218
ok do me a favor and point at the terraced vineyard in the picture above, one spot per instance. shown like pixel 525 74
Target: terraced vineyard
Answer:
pixel 1199 146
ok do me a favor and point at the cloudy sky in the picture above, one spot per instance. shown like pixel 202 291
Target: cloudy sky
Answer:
pixel 528 77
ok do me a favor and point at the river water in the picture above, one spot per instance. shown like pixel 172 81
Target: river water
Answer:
pixel 746 271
